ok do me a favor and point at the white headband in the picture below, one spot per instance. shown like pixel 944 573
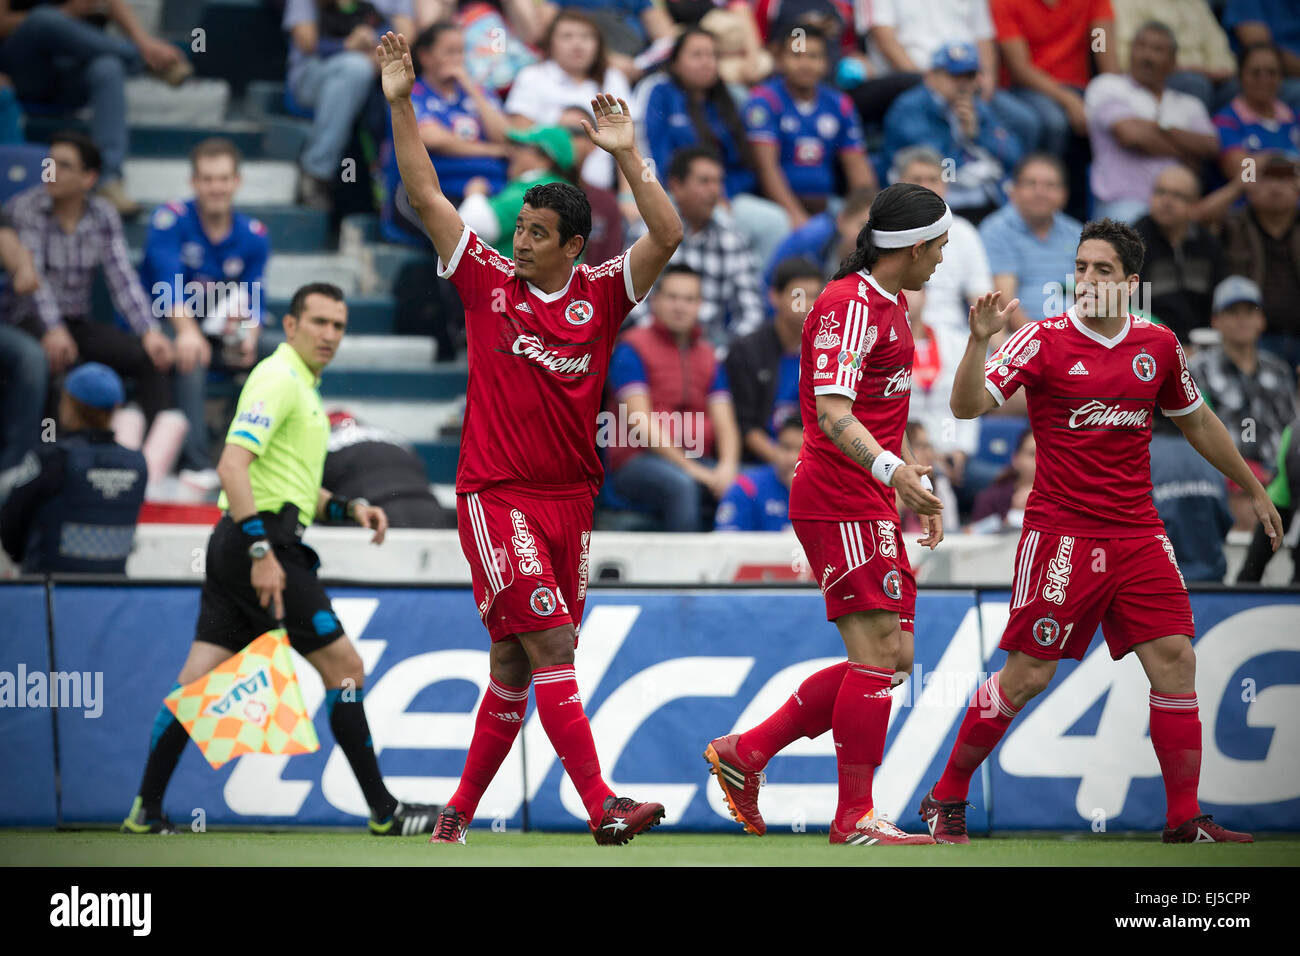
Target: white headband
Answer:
pixel 901 238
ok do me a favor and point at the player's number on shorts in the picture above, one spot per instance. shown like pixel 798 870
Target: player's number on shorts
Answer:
pixel 1068 628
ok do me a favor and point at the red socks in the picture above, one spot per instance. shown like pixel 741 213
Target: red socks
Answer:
pixel 1176 737
pixel 987 719
pixel 859 721
pixel 806 714
pixel 499 718
pixel 565 723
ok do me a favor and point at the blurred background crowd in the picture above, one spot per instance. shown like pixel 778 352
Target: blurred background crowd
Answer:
pixel 172 172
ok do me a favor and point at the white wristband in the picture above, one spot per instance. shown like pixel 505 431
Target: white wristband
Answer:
pixel 927 484
pixel 882 469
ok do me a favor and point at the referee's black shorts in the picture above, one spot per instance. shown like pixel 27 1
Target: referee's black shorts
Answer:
pixel 229 613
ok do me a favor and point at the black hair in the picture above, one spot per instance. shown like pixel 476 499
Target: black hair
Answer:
pixel 679 165
pixel 570 204
pixel 1122 237
pixel 1251 48
pixel 1046 158
pixel 299 300
pixel 795 267
pixel 719 96
pixel 783 33
pixel 91 158
pixel 679 269
pixel 427 37
pixel 1155 26
pixel 790 421
pixel 900 206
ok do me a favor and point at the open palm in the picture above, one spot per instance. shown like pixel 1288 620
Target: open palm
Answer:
pixel 396 72
pixel 614 127
pixel 986 319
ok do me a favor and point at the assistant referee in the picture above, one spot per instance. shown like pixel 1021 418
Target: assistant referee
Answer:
pixel 259 572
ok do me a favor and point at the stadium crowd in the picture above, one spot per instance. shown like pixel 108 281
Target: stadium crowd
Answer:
pixel 772 124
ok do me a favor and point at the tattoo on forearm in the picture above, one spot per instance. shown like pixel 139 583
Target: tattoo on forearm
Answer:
pixel 859 452
pixel 838 428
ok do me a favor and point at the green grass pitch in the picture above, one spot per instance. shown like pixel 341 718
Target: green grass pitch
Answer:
pixel 334 848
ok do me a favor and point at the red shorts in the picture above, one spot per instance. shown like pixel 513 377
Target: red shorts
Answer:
pixel 1064 587
pixel 528 559
pixel 861 566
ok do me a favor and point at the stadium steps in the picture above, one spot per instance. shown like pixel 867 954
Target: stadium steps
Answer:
pixel 438 382
pixel 384 353
pixel 267 182
pixel 367 314
pixel 197 102
pixel 417 421
pixel 173 140
pixel 292 228
pixel 286 273
pixel 440 459
pixel 244 43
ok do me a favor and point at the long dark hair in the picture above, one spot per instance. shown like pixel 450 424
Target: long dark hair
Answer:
pixel 718 95
pixel 595 72
pixel 900 206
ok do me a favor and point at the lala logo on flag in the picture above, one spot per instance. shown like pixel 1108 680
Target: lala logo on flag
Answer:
pixel 249 703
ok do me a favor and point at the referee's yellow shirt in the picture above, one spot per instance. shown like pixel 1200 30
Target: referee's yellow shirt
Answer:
pixel 280 419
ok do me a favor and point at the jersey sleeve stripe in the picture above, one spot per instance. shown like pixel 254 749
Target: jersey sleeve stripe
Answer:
pixel 445 272
pixel 835 390
pixel 993 390
pixel 854 327
pixel 1179 412
pixel 627 277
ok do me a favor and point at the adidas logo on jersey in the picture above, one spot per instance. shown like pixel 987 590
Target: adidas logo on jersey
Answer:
pixel 1078 369
pixel 893 335
pixel 524 307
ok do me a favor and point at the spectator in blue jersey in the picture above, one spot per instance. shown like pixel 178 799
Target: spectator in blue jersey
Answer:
pixel 827 237
pixel 763 367
pixel 687 103
pixel 685 453
pixel 946 112
pixel 203 266
pixel 1270 21
pixel 1257 119
pixel 461 125
pixel 1031 242
pixel 802 131
pixel 1192 500
pixel 760 498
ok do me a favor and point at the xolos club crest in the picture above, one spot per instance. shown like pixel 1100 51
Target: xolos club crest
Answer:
pixel 1046 631
pixel 893 585
pixel 542 602
pixel 579 312
pixel 1144 366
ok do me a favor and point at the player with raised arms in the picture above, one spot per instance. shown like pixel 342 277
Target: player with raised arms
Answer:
pixel 855 386
pixel 1093 550
pixel 540 330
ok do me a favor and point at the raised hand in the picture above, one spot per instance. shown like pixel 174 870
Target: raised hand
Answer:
pixel 614 127
pixel 396 72
pixel 986 319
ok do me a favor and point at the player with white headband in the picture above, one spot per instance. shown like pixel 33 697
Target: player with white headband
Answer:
pixel 855 383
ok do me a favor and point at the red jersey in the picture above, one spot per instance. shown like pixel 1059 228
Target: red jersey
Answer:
pixel 856 342
pixel 1090 405
pixel 537 368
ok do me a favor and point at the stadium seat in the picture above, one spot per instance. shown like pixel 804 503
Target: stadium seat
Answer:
pixel 20 168
pixel 997 443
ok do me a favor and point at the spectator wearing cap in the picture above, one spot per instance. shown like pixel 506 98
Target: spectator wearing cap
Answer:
pixel 1139 127
pixel 946 113
pixel 23 367
pixel 759 499
pixel 74 503
pixel 1270 21
pixel 904 32
pixel 1183 260
pixel 543 154
pixel 1251 390
pixel 1262 242
pixel 71 234
pixel 763 366
pixel 1205 60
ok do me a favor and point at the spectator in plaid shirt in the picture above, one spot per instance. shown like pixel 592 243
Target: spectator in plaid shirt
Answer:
pixel 70 233
pixel 732 303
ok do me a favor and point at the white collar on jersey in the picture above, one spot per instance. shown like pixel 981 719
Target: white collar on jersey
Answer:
pixel 552 296
pixel 1097 336
pixel 876 285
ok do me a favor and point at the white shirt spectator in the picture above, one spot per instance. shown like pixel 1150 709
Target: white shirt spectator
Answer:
pixel 923 26
pixel 542 91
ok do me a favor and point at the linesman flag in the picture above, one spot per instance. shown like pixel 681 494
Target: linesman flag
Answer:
pixel 250 703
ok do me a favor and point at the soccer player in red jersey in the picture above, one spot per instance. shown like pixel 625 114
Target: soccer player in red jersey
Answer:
pixel 855 381
pixel 541 330
pixel 1093 550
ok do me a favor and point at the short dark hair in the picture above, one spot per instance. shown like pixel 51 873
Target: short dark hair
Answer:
pixel 795 267
pixel 1122 237
pixel 857 200
pixel 1155 26
pixel 790 421
pixel 429 36
pixel 678 269
pixel 215 146
pixel 679 165
pixel 299 300
pixel 1250 49
pixel 86 149
pixel 570 204
pixel 1046 158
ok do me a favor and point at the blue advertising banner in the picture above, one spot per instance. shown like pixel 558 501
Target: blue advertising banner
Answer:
pixel 29 692
pixel 660 674
pixel 1079 756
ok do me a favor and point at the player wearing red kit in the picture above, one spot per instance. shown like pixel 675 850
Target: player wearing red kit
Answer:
pixel 1093 550
pixel 541 330
pixel 855 382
